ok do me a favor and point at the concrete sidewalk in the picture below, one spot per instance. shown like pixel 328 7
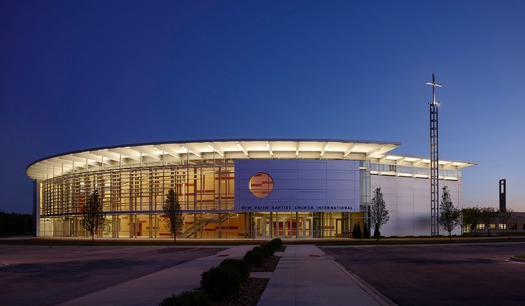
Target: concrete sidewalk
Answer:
pixel 306 276
pixel 151 289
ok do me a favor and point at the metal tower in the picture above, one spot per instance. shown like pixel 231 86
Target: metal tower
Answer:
pixel 434 159
pixel 502 195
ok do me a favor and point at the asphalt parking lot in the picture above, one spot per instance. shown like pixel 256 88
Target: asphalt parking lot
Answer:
pixel 443 274
pixel 436 274
pixel 49 275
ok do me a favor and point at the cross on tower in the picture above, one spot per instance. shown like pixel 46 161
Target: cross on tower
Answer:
pixel 434 160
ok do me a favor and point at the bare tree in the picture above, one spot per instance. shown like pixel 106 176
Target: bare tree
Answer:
pixel 173 214
pixel 93 218
pixel 378 212
pixel 449 216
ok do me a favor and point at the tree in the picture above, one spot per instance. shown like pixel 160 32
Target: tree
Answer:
pixel 471 216
pixel 449 216
pixel 93 218
pixel 487 215
pixel 504 217
pixel 15 224
pixel 173 214
pixel 378 212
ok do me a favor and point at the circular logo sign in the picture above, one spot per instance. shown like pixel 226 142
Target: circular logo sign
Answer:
pixel 261 185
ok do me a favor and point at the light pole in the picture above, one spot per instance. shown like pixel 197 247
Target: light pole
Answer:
pixel 434 159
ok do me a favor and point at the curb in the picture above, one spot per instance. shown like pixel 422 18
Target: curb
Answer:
pixel 369 289
pixel 520 259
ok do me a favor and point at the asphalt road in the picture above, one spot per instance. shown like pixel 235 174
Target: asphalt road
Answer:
pixel 446 274
pixel 48 275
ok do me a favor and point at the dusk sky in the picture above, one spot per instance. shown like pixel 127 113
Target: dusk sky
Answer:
pixel 76 75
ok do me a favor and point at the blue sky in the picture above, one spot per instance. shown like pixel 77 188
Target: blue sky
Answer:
pixel 81 74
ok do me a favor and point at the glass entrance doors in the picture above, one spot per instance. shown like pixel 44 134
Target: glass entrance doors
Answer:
pixel 285 225
pixel 262 227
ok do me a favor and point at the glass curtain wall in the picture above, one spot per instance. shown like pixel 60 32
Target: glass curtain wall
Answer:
pixel 133 201
pixel 133 198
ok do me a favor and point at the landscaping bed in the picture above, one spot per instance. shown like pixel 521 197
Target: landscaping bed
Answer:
pixel 230 283
pixel 252 289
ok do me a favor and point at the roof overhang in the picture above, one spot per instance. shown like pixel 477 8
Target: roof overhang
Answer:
pixel 421 162
pixel 165 153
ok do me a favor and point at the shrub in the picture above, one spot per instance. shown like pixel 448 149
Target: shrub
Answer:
pixel 221 282
pixel 356 233
pixel 262 250
pixel 366 231
pixel 254 258
pixel 277 243
pixel 187 298
pixel 240 266
pixel 269 248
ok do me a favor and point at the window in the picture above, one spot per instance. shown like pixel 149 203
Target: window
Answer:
pixel 492 226
pixel 502 226
pixel 480 226
pixel 513 226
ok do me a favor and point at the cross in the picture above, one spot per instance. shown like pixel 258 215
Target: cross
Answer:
pixel 434 85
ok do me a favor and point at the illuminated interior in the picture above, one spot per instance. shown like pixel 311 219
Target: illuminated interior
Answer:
pixel 133 182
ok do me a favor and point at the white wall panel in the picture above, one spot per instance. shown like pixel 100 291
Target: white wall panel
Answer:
pixel 408 203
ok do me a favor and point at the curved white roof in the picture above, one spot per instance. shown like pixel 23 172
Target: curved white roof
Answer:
pixel 195 151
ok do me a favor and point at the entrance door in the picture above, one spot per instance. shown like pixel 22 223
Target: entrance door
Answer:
pixel 303 227
pixel 262 227
pixel 285 227
pixel 278 227
pixel 338 227
pixel 288 227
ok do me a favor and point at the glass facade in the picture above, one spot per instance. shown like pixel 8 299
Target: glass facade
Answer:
pixel 132 200
pixel 133 181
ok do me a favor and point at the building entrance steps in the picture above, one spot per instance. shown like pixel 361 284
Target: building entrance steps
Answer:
pixel 306 276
